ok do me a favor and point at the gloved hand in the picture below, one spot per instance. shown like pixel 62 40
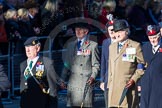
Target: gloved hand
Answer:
pixel 63 85
pixel 130 83
pixel 90 81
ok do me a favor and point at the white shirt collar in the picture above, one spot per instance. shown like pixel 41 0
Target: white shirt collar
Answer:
pixel 122 43
pixel 31 16
pixel 82 40
pixel 34 61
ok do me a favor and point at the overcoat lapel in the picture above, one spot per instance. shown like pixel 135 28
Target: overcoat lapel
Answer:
pixel 85 44
pixel 156 54
pixel 116 53
pixel 122 50
pixel 74 50
pixel 24 65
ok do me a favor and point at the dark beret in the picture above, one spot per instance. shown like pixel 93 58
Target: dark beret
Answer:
pixel 31 41
pixel 152 30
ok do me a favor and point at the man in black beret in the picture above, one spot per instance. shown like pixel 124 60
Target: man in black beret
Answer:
pixel 151 95
pixel 125 67
pixel 38 78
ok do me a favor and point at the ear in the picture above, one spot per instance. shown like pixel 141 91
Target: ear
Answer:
pixel 86 31
pixel 38 48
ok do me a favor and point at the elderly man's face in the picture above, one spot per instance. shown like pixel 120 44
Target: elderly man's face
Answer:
pixel 121 35
pixel 32 51
pixel 154 40
pixel 81 32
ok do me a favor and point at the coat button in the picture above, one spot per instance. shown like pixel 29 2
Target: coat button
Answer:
pixel 81 64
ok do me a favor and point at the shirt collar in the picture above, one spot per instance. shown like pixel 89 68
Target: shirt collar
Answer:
pixel 122 43
pixel 82 40
pixel 34 60
pixel 31 16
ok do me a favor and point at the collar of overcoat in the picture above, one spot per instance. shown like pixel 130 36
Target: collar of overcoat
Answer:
pixel 85 44
pixel 126 45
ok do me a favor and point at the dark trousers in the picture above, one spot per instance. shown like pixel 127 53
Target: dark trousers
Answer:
pixel 37 100
pixel 1 106
pixel 78 107
pixel 106 98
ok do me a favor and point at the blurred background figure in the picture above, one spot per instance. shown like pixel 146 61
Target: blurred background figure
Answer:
pixel 51 16
pixel 108 7
pixel 12 30
pixel 120 10
pixel 3 35
pixel 34 15
pixel 4 83
pixel 26 29
pixel 136 16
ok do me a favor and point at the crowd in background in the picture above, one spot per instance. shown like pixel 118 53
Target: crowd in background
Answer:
pixel 21 19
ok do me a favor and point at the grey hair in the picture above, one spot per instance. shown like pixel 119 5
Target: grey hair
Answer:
pixel 38 44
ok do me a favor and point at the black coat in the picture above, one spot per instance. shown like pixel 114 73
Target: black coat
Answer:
pixel 151 95
pixel 31 94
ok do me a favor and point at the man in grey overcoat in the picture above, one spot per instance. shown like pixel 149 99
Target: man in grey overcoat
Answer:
pixel 82 65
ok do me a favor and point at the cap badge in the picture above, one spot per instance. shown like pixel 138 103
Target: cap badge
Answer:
pixel 151 31
pixel 110 19
pixel 33 42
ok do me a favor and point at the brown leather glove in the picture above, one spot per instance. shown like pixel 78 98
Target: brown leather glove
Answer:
pixel 130 83
pixel 90 81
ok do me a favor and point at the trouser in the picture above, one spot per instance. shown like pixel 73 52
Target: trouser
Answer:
pixel 1 106
pixel 78 107
pixel 106 98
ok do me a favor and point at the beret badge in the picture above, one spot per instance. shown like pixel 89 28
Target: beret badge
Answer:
pixel 151 31
pixel 110 19
pixel 33 42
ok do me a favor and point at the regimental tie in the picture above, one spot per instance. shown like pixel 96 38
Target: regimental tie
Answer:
pixel 79 44
pixel 120 47
pixel 27 72
pixel 30 64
